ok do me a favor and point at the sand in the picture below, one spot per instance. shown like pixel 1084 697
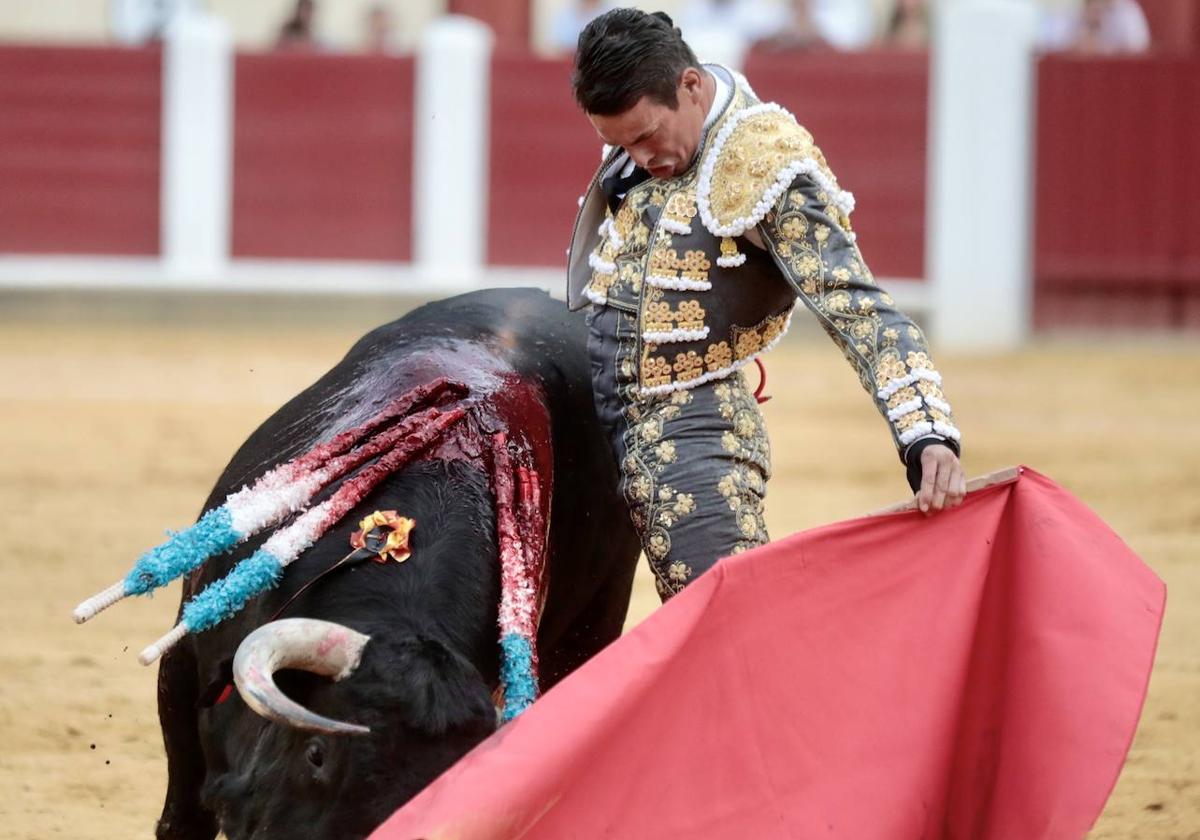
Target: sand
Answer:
pixel 115 431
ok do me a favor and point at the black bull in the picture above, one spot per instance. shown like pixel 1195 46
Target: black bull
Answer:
pixel 425 683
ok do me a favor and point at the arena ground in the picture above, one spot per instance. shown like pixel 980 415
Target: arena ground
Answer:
pixel 115 427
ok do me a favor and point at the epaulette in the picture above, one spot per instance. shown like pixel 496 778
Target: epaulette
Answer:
pixel 755 156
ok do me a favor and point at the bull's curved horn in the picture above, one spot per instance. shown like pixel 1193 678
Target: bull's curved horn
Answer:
pixel 306 644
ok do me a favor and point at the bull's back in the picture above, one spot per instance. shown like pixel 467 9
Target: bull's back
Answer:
pixel 480 338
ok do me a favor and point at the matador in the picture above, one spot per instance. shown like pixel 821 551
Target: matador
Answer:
pixel 711 213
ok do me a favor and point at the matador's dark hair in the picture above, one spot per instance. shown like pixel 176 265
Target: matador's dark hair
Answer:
pixel 626 54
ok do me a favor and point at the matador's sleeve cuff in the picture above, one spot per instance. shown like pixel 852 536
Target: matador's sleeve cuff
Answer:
pixel 912 456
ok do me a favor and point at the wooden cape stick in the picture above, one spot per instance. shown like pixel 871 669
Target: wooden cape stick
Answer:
pixel 991 479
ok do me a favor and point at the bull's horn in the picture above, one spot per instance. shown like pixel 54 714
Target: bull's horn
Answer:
pixel 306 644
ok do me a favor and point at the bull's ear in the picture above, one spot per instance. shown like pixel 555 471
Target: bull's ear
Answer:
pixel 219 688
pixel 440 691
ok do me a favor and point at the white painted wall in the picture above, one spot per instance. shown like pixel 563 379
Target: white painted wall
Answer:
pixel 979 212
pixel 450 160
pixel 197 147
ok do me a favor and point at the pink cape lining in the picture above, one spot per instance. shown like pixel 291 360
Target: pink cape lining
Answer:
pixel 976 675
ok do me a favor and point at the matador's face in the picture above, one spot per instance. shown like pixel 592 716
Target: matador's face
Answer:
pixel 660 139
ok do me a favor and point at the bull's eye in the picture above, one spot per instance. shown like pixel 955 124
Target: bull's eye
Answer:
pixel 315 755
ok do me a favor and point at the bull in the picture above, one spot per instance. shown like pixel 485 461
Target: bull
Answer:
pixel 292 760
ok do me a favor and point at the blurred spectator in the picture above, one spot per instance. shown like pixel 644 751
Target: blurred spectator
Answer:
pixel 570 20
pixel 297 32
pixel 845 24
pixel 380 30
pixel 1103 27
pixel 801 31
pixel 139 21
pixel 908 26
pixel 744 20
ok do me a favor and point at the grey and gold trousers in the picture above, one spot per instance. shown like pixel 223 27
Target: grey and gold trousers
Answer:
pixel 694 463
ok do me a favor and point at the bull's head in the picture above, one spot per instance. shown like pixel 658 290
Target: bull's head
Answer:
pixel 304 644
pixel 416 707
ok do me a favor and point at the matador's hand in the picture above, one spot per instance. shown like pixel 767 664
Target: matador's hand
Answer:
pixel 943 484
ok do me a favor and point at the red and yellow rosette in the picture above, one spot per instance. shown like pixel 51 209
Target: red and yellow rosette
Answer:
pixel 385 533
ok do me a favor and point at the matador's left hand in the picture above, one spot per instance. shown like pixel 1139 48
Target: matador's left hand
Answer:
pixel 943 485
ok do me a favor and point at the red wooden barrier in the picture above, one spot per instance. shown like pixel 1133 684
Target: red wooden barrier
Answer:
pixel 543 152
pixel 1117 177
pixel 868 113
pixel 323 157
pixel 79 150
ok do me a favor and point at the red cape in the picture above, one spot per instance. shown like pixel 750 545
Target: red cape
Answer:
pixel 975 675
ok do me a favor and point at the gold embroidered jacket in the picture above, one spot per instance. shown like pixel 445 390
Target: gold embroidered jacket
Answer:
pixel 709 301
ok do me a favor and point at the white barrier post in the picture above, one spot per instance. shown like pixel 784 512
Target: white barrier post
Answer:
pixel 979 224
pixel 450 172
pixel 197 140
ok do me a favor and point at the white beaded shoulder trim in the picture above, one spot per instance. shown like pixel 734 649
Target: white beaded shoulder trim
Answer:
pixel 732 261
pixel 809 166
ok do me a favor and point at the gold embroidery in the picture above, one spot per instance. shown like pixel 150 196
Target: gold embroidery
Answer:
pixel 656 371
pixel 729 248
pixel 663 259
pixel 759 148
pixel 718 356
pixel 625 219
pixel 794 228
pixel 681 206
pixel 688 366
pixel 930 389
pixel 888 368
pixel 747 342
pixel 631 232
pixel 918 359
pixel 744 486
pixel 902 396
pixel 659 317
pixel 690 315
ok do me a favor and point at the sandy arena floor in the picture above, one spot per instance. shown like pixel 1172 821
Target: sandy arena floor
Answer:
pixel 114 433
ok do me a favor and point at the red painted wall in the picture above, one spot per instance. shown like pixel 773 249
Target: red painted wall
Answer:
pixel 868 112
pixel 79 150
pixel 322 157
pixel 543 154
pixel 1118 179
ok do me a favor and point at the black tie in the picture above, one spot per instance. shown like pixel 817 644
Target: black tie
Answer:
pixel 615 186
